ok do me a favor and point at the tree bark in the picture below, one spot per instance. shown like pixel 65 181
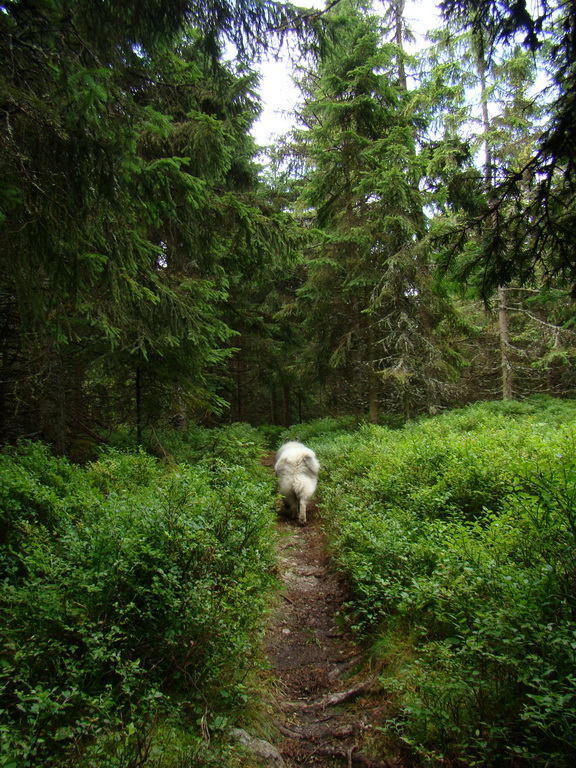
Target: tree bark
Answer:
pixel 489 182
pixel 239 392
pixel 398 15
pixel 372 380
pixel 286 402
pixel 273 405
pixel 138 396
pixel 504 333
pixel 53 401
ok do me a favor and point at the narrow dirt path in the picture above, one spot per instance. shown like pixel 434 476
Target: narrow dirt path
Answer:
pixel 326 706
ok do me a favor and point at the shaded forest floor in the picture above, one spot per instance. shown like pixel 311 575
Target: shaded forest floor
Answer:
pixel 328 703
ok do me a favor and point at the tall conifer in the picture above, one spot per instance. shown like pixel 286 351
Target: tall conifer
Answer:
pixel 368 299
pixel 125 164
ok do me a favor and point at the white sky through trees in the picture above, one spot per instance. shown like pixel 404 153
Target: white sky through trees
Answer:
pixel 279 95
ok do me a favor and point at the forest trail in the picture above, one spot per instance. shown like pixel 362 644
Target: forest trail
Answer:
pixel 325 707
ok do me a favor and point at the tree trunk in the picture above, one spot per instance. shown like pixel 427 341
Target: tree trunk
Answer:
pixel 239 403
pixel 180 416
pixel 138 395
pixel 504 344
pixel 273 405
pixel 286 403
pixel 53 401
pixel 398 17
pixel 372 397
pixel 489 183
pixel 372 379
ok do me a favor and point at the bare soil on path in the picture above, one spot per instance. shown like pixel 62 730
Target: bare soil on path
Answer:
pixel 328 701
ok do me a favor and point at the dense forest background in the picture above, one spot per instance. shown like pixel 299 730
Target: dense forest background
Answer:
pixel 172 295
pixel 407 248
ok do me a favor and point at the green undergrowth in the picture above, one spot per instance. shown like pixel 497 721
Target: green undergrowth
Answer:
pixel 458 536
pixel 132 598
pixel 234 443
pixel 319 430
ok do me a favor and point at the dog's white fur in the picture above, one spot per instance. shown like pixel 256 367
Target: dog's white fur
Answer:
pixel 297 470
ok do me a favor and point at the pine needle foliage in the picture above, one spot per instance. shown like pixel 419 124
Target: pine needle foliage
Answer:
pixel 545 30
pixel 128 197
pixel 368 298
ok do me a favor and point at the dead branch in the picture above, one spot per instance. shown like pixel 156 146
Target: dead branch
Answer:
pixel 289 600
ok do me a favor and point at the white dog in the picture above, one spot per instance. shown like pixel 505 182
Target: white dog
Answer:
pixel 297 470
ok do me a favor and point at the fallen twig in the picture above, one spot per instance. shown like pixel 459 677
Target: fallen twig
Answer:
pixel 287 598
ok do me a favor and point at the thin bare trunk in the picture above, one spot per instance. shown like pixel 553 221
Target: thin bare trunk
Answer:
pixel 503 330
pixel 273 405
pixel 504 344
pixel 398 17
pixel 138 395
pixel 372 397
pixel 239 392
pixel 286 402
pixel 372 383
pixel 488 178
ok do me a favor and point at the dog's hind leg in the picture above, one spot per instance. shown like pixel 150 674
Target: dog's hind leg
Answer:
pixel 302 510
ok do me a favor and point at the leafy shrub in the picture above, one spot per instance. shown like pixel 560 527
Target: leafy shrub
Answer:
pixel 272 435
pixel 117 470
pixel 235 443
pixel 312 431
pixel 459 532
pixel 130 594
pixel 39 495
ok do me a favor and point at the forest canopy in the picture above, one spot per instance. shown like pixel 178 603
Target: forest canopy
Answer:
pixel 407 247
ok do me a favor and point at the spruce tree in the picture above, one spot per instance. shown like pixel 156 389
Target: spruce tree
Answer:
pixel 541 231
pixel 125 165
pixel 490 108
pixel 368 300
